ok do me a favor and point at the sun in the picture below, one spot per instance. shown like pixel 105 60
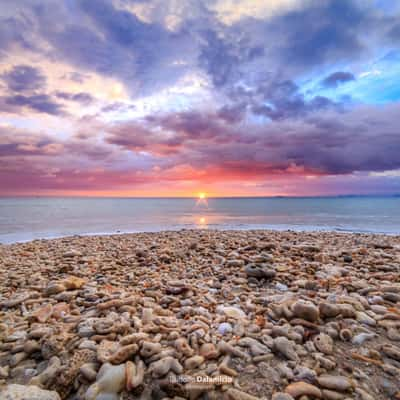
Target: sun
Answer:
pixel 202 199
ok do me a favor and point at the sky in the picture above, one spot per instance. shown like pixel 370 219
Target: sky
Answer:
pixel 178 97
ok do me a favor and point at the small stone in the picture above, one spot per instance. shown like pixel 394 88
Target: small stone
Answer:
pixel 21 392
pixel 305 310
pixel 329 310
pixel 298 389
pixel 286 347
pixel 258 271
pixel 209 351
pixel 232 312
pixel 72 253
pixel 54 288
pixel 340 383
pixel 365 318
pixel 281 396
pixel 324 343
pixel 224 328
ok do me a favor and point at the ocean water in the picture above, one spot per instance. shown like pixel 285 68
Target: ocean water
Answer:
pixel 24 219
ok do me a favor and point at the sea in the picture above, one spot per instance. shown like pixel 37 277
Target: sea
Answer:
pixel 24 219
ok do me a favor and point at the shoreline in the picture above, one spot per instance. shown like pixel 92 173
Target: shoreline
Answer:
pixel 244 229
pixel 234 314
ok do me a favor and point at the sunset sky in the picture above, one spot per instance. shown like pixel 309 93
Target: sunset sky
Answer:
pixel 177 97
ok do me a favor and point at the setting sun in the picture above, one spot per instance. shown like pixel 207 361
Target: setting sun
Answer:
pixel 202 196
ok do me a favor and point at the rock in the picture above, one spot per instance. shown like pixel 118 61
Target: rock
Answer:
pixel 286 347
pixel 193 362
pixel 362 337
pixel 324 343
pixel 298 389
pixel 73 282
pixel 340 383
pixel 21 392
pixel 54 288
pixel 42 314
pixel 329 310
pixel 347 258
pixel 259 272
pixel 72 253
pixel 365 318
pixel 332 395
pixel 391 351
pixel 109 382
pixel 281 396
pixel 232 312
pixel 163 366
pixel 235 394
pixel 224 328
pixel 305 310
pixel 209 351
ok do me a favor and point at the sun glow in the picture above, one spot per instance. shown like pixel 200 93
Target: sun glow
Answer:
pixel 202 200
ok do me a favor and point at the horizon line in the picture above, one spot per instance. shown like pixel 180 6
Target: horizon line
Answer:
pixel 208 197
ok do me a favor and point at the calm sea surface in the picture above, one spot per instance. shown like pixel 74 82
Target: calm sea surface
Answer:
pixel 34 218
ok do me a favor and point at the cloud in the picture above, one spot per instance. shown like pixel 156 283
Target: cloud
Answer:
pixel 81 97
pixel 194 91
pixel 337 78
pixel 41 103
pixel 279 99
pixel 321 145
pixel 24 78
pixel 15 32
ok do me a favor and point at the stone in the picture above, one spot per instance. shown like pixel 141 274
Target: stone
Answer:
pixel 298 389
pixel 224 328
pixel 286 347
pixel 259 272
pixel 305 310
pixel 340 383
pixel 324 343
pixel 21 392
pixel 231 312
pixel 281 396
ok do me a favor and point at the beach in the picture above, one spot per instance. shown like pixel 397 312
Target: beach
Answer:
pixel 201 314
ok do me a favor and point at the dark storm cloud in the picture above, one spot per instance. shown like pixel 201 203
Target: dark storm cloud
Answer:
pixel 337 78
pixel 24 78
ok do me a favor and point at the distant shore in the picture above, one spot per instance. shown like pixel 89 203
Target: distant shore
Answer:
pixel 236 314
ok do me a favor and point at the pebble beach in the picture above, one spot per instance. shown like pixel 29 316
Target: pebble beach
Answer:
pixel 201 314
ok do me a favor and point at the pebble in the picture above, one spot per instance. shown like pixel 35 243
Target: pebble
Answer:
pixel 22 392
pixel 340 383
pixel 283 315
pixel 305 310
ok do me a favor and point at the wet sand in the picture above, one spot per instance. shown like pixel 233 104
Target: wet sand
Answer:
pixel 200 314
